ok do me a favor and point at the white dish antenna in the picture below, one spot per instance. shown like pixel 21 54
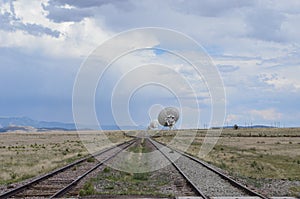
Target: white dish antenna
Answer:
pixel 168 117
pixel 153 125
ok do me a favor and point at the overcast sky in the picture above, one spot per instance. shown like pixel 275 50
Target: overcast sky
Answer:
pixel 254 44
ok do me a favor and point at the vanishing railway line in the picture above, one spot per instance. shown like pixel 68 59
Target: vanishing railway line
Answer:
pixel 61 181
pixel 205 180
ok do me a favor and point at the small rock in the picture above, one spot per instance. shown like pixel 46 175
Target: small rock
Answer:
pixel 10 186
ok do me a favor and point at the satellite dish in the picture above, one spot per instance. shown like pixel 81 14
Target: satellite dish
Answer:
pixel 168 117
pixel 153 124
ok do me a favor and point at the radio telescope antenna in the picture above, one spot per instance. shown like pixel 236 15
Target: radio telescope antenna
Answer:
pixel 168 117
pixel 153 124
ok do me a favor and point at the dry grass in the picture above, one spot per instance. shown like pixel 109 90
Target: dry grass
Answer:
pixel 24 155
pixel 247 153
pixel 252 153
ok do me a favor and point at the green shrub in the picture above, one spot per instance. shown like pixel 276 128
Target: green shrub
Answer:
pixel 106 170
pixel 88 189
pixel 140 176
pixel 91 159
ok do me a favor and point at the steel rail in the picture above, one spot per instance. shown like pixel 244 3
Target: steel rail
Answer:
pixel 64 190
pixel 196 189
pixel 227 178
pixel 59 170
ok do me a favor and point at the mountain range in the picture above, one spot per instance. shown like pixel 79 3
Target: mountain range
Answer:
pixel 28 124
pixel 19 123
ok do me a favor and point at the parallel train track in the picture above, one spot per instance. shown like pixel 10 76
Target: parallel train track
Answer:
pixel 205 180
pixel 59 182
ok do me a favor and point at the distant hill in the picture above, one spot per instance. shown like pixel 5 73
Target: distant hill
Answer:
pixel 254 126
pixel 17 128
pixel 13 122
pixel 26 123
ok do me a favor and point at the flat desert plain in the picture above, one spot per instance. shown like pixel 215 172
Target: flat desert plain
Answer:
pixel 27 154
pixel 266 159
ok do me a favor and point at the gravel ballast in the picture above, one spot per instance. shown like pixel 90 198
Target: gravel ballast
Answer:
pixel 210 183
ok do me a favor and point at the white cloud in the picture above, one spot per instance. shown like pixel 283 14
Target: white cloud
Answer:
pixel 280 83
pixel 75 39
pixel 233 37
pixel 232 118
pixel 255 44
pixel 267 114
pixel 78 40
pixel 5 7
pixel 31 12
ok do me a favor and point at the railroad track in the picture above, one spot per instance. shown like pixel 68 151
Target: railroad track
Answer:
pixel 59 182
pixel 205 180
